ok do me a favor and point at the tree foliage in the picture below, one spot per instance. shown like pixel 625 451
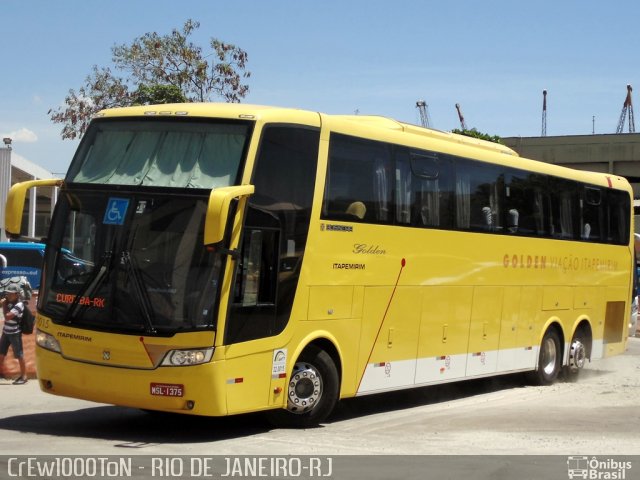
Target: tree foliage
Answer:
pixel 476 134
pixel 158 69
pixel 157 94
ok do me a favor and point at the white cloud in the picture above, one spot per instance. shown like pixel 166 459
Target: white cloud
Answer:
pixel 23 135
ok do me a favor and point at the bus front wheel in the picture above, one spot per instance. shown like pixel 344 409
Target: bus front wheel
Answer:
pixel 549 359
pixel 312 391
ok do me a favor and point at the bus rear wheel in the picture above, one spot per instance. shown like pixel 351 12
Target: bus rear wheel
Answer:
pixel 312 391
pixel 549 359
pixel 578 355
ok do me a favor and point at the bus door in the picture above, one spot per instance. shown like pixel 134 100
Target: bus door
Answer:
pixel 267 271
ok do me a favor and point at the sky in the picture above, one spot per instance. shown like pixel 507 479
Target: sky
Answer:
pixel 374 57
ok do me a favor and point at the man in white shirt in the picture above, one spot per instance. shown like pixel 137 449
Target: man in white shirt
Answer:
pixel 12 308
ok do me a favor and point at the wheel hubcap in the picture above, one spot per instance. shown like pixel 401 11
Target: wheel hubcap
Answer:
pixel 578 356
pixel 305 388
pixel 549 357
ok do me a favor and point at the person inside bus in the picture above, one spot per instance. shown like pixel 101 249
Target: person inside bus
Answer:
pixel 513 220
pixel 357 209
pixel 12 308
pixel 488 217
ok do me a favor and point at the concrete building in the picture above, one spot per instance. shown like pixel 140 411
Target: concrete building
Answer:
pixel 40 202
pixel 618 154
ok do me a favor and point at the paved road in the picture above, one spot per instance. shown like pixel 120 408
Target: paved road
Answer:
pixel 599 414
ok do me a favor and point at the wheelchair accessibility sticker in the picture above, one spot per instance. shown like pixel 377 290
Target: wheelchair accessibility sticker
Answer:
pixel 116 211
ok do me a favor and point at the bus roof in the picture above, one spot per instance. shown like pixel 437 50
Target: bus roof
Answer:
pixel 252 112
pixel 388 123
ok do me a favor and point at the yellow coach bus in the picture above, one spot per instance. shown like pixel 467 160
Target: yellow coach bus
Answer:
pixel 236 258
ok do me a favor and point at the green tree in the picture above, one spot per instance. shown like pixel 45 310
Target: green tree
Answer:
pixel 159 69
pixel 157 94
pixel 476 134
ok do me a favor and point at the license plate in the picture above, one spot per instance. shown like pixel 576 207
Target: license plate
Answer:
pixel 167 389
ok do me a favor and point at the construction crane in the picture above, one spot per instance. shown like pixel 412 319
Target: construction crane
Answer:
pixel 627 108
pixel 421 105
pixel 544 113
pixel 463 125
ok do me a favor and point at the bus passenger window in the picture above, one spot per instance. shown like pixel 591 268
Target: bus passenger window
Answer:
pixel 617 206
pixel 564 202
pixel 592 214
pixel 433 189
pixel 478 196
pixel 423 189
pixel 359 173
pixel 525 195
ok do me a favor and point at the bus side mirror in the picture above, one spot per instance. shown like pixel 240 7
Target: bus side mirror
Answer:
pixel 218 211
pixel 15 203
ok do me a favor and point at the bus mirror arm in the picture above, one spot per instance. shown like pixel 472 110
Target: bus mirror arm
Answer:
pixel 15 203
pixel 233 253
pixel 218 211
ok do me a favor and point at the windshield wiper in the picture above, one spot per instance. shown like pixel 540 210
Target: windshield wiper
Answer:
pixel 90 286
pixel 139 288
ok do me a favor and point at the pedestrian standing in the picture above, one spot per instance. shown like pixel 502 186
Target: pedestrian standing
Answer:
pixel 12 307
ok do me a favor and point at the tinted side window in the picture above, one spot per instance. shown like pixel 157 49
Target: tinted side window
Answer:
pixel 377 182
pixel 479 189
pixel 564 220
pixel 424 189
pixel 592 214
pixel 525 203
pixel 618 211
pixel 359 184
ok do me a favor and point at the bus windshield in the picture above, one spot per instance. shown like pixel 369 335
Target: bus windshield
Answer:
pixel 132 211
pixel 143 266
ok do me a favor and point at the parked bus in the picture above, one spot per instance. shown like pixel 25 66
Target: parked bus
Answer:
pixel 21 259
pixel 241 258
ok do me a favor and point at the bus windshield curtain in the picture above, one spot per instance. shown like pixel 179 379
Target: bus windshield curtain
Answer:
pixel 164 158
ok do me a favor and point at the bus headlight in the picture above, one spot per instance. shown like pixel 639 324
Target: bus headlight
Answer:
pixel 180 358
pixel 47 341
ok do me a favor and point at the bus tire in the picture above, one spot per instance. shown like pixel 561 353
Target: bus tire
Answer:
pixel 312 391
pixel 549 359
